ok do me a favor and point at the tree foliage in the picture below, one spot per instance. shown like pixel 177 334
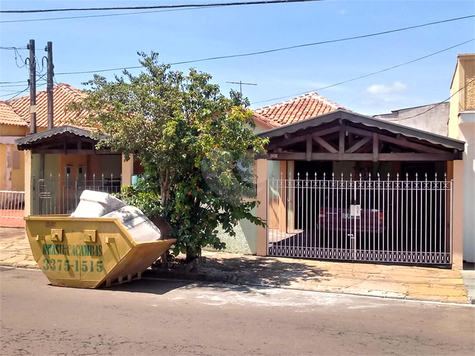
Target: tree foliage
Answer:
pixel 196 145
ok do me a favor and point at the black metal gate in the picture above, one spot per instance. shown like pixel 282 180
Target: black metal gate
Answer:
pixel 376 220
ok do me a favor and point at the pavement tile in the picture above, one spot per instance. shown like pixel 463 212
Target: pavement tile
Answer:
pixel 436 291
pixel 383 286
pixel 15 259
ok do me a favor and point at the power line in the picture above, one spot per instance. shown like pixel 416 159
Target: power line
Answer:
pixel 16 51
pixel 436 105
pixel 94 16
pixel 15 94
pixel 244 3
pixel 13 85
pixel 278 49
pixel 12 48
pixel 367 75
pixel 110 15
pixel 18 81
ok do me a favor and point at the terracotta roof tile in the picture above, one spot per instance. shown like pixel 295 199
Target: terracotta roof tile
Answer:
pixel 264 120
pixel 297 109
pixel 10 117
pixel 63 95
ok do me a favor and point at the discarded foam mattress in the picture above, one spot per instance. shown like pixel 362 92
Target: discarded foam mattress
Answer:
pixel 136 223
pixel 94 204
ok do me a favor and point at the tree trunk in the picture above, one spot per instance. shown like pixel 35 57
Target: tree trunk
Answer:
pixel 192 253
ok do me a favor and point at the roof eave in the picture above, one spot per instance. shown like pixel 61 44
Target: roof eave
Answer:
pixel 367 121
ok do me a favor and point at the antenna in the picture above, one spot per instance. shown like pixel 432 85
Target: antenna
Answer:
pixel 241 84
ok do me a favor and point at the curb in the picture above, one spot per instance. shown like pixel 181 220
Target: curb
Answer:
pixel 19 265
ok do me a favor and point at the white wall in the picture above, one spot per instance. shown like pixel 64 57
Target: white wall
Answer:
pixel 467 133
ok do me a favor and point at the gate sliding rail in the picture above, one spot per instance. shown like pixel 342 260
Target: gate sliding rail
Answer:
pixel 375 220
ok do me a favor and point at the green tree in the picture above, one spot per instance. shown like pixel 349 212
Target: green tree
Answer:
pixel 196 145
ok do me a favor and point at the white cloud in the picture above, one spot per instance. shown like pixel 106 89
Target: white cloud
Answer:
pixel 383 89
pixel 343 12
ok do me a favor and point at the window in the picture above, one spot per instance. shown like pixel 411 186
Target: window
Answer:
pixel 80 178
pixel 68 171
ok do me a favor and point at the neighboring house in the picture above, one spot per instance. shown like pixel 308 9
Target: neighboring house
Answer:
pixel 432 117
pixel 295 110
pixel 12 183
pixel 58 163
pixel 461 125
pixel 12 126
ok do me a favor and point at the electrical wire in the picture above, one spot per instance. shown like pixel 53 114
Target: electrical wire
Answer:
pixel 435 106
pixel 18 81
pixel 277 49
pixel 14 85
pixel 15 94
pixel 39 77
pixel 225 4
pixel 94 16
pixel 17 54
pixel 13 48
pixel 366 75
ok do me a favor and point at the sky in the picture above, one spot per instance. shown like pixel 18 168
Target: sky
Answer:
pixel 89 44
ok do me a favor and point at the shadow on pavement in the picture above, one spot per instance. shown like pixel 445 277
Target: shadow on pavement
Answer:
pixel 244 271
pixel 147 285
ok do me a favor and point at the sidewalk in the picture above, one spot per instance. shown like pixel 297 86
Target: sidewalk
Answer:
pixel 417 283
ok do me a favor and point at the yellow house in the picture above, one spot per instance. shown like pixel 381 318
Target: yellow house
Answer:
pixel 11 160
pixel 461 126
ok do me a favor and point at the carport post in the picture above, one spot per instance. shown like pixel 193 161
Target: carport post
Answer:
pixel 127 171
pixel 28 182
pixel 261 176
pixel 457 215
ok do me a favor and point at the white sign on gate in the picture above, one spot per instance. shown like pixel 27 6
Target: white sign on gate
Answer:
pixel 355 210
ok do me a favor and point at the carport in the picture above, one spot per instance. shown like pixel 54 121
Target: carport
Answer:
pixel 344 186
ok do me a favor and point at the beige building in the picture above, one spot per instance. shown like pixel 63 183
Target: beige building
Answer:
pixel 461 126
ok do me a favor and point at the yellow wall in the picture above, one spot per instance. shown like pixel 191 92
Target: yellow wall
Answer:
pixel 469 82
pixel 3 175
pixel 464 77
pixel 12 163
pixel 11 130
pixel 453 126
pixel 12 168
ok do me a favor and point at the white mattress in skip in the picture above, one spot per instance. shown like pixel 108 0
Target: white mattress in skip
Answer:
pixel 94 204
pixel 139 226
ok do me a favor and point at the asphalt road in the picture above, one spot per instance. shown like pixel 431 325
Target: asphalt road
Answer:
pixel 153 317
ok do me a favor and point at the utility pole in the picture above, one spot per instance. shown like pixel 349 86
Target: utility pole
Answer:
pixel 49 83
pixel 240 85
pixel 32 83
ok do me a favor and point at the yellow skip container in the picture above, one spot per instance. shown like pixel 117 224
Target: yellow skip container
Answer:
pixel 88 252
